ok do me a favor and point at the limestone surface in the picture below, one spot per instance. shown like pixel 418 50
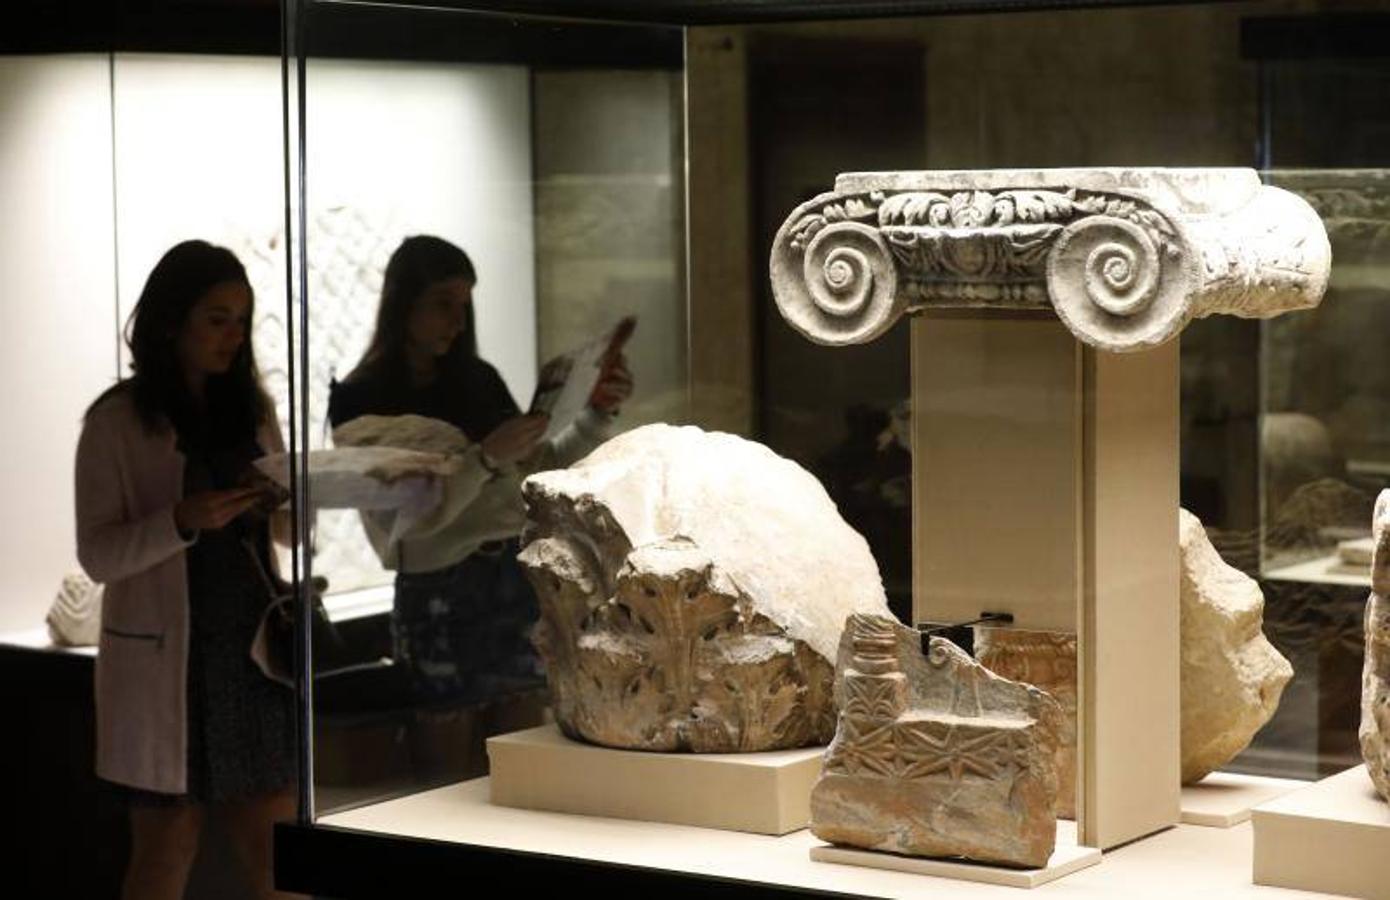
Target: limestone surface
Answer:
pixel 74 619
pixel 1047 660
pixel 935 755
pixel 379 463
pixel 419 433
pixel 1232 677
pixel 1125 257
pixel 1375 676
pixel 693 586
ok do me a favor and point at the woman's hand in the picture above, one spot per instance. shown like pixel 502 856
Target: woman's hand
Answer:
pixel 514 439
pixel 614 386
pixel 211 510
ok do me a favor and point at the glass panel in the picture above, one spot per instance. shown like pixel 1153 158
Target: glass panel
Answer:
pixel 1325 449
pixel 821 105
pixel 990 91
pixel 61 342
pixel 554 153
pixel 1323 442
pixel 542 164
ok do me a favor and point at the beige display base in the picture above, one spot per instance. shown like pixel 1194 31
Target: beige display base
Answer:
pixel 762 793
pixel 1223 799
pixel 1032 448
pixel 1331 836
pixel 1066 858
pixel 1183 862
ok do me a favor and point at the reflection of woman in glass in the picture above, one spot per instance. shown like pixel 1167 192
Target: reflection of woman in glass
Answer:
pixel 463 607
pixel 187 723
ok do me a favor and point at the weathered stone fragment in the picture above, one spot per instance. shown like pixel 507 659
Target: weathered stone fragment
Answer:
pixel 1047 660
pixel 935 755
pixel 74 619
pixel 419 433
pixel 1126 257
pixel 1232 677
pixel 379 463
pixel 1306 525
pixel 1375 677
pixel 693 587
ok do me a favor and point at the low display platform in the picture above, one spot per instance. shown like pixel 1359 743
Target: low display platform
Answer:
pixel 453 835
pixel 1066 859
pixel 1223 799
pixel 1332 836
pixel 762 793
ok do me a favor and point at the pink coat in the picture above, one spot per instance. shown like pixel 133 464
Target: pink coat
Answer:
pixel 127 484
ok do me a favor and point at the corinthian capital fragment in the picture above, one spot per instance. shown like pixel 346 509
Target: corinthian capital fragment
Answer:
pixel 1126 257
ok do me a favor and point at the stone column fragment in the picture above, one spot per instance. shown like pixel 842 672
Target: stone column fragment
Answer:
pixel 1125 257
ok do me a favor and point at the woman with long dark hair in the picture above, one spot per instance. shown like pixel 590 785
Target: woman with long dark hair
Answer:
pixel 188 723
pixel 463 608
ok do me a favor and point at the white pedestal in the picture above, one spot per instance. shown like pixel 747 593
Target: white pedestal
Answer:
pixel 1223 799
pixel 1332 836
pixel 762 793
pixel 1182 863
pixel 1066 858
pixel 1062 459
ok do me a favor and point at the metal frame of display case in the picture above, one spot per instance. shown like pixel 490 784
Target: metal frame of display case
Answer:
pixel 747 12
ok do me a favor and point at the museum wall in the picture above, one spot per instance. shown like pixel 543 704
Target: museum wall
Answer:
pixel 58 312
pixel 610 224
pixel 195 149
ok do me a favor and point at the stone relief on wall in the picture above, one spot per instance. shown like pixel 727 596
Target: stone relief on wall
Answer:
pixel 693 586
pixel 1126 257
pixel 1375 679
pixel 348 251
pixel 934 755
pixel 74 619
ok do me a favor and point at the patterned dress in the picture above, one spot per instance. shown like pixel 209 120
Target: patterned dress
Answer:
pixel 241 727
pixel 462 633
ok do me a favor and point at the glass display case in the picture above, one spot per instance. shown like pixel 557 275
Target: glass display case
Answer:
pixel 1303 394
pixel 600 163
pixel 611 161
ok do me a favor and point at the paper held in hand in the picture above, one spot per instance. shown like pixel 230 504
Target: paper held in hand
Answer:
pixel 380 479
pixel 567 382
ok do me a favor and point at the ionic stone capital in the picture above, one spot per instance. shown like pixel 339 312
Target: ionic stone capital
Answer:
pixel 1126 257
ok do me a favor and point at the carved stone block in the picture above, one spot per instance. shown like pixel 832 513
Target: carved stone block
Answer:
pixel 1232 677
pixel 1126 257
pixel 74 619
pixel 935 755
pixel 1375 676
pixel 1047 660
pixel 693 587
